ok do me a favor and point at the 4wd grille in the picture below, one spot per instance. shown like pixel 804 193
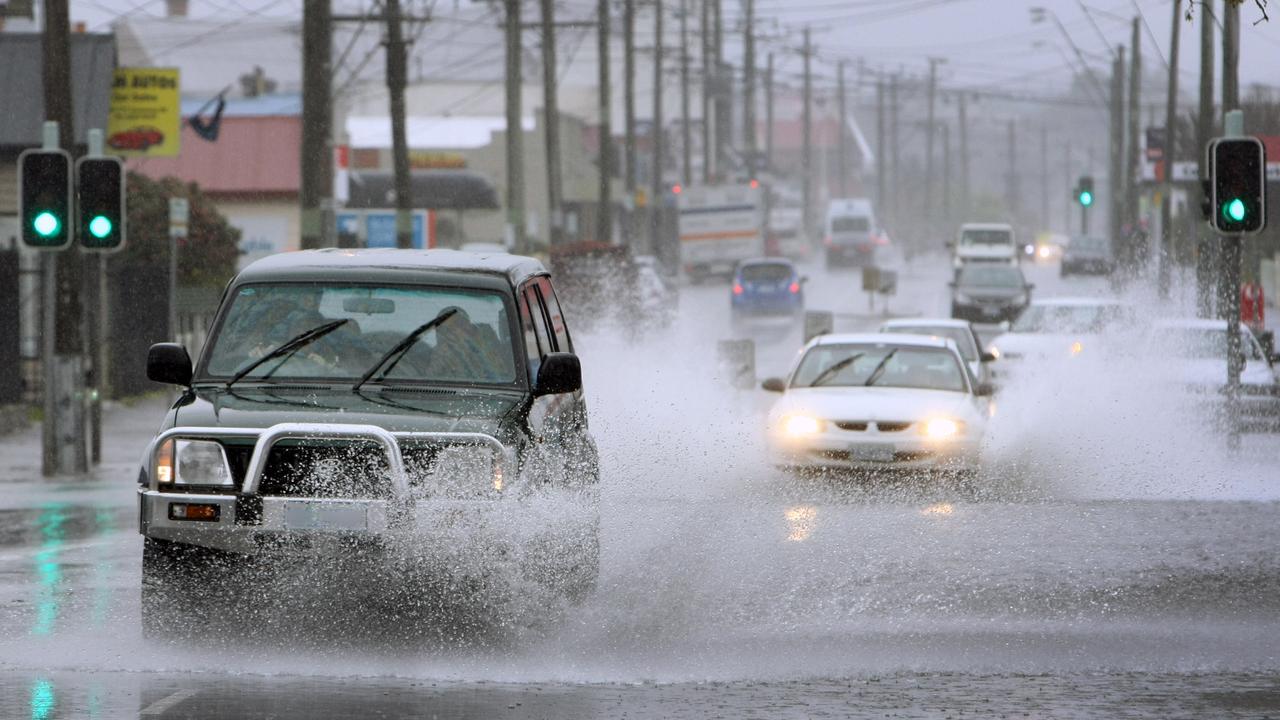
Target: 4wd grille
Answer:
pixel 344 470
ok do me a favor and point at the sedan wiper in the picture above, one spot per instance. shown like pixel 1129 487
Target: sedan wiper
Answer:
pixel 287 349
pixel 875 374
pixel 837 367
pixel 402 348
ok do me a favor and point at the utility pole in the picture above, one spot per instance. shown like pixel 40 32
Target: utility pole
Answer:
pixel 1133 149
pixel 396 77
pixel 1013 170
pixel 841 147
pixel 604 216
pixel 806 158
pixel 895 155
pixel 724 93
pixel 768 114
pixel 880 159
pixel 749 88
pixel 965 200
pixel 1248 259
pixel 551 123
pixel 1115 173
pixel 1044 177
pixel 515 131
pixel 709 168
pixel 629 104
pixel 1069 175
pixel 655 179
pixel 1205 242
pixel 62 272
pixel 316 191
pixel 931 122
pixel 686 139
pixel 1165 255
pixel 946 175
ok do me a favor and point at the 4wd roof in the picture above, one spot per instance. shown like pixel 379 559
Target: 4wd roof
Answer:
pixel 389 264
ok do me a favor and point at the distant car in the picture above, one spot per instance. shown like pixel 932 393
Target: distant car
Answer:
pixel 984 243
pixel 486 248
pixel 136 138
pixel 1192 355
pixel 989 292
pixel 1087 255
pixel 1057 328
pixel 960 332
pixel 850 234
pixel 878 401
pixel 766 286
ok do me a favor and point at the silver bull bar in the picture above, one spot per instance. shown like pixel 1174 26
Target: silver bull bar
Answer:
pixel 268 437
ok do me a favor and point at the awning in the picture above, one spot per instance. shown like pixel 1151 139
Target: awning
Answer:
pixel 430 190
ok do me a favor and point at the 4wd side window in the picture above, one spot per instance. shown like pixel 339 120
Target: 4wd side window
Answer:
pixel 558 327
pixel 536 339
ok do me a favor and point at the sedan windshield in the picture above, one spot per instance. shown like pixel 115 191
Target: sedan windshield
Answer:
pixel 986 237
pixel 367 322
pixel 1001 276
pixel 880 366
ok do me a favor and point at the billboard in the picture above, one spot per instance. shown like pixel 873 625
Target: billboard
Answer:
pixel 145 118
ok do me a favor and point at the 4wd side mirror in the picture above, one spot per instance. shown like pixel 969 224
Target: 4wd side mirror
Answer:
pixel 948 244
pixel 559 373
pixel 804 279
pixel 169 363
pixel 988 357
pixel 984 390
pixel 774 385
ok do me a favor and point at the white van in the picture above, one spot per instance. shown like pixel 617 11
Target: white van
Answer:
pixel 985 242
pixel 850 233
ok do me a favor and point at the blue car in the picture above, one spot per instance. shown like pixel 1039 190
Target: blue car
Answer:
pixel 768 286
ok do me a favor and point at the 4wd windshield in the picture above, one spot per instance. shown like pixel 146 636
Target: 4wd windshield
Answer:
pixel 1001 276
pixel 473 346
pixel 1068 318
pixel 986 237
pixel 883 365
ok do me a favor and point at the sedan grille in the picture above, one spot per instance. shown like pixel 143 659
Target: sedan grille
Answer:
pixel 883 426
pixel 852 425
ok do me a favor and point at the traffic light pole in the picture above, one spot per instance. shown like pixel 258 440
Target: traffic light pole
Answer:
pixel 1084 221
pixel 1233 127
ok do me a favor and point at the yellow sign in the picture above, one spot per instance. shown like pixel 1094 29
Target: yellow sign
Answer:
pixel 146 115
pixel 429 160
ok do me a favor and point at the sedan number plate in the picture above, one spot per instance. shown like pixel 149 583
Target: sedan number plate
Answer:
pixel 871 453
pixel 302 515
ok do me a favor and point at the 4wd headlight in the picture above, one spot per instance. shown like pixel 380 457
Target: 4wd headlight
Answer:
pixel 941 428
pixel 463 472
pixel 192 462
pixel 801 425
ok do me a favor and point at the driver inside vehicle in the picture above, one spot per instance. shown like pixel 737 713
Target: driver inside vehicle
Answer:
pixel 466 351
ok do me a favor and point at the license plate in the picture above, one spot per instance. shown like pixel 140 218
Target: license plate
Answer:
pixel 991 311
pixel 325 516
pixel 871 453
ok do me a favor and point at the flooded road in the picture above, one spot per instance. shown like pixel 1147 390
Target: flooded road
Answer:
pixel 1104 564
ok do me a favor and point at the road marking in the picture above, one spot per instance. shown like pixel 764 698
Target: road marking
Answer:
pixel 160 706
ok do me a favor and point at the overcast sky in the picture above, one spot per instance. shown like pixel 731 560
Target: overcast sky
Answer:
pixel 987 43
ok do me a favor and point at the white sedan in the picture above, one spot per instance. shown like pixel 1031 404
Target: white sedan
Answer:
pixel 1191 354
pixel 876 401
pixel 1055 329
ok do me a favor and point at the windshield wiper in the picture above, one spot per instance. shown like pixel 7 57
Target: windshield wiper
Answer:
pixel 875 374
pixel 402 348
pixel 837 367
pixel 287 349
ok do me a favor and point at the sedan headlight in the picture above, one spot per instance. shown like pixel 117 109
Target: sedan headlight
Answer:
pixel 801 425
pixel 941 428
pixel 192 462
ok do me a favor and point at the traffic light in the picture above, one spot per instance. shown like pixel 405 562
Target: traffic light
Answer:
pixel 1239 172
pixel 100 212
pixel 44 198
pixel 1084 191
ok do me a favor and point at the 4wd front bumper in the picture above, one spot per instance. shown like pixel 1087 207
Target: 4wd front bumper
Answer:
pixel 244 521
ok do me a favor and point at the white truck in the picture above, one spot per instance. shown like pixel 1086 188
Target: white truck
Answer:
pixel 720 225
pixel 984 243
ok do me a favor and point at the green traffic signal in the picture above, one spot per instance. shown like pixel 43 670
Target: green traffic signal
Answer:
pixel 1234 210
pixel 1086 198
pixel 46 224
pixel 100 226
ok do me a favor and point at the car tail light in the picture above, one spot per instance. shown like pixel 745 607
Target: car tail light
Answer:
pixel 795 287
pixel 737 289
pixel 828 241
